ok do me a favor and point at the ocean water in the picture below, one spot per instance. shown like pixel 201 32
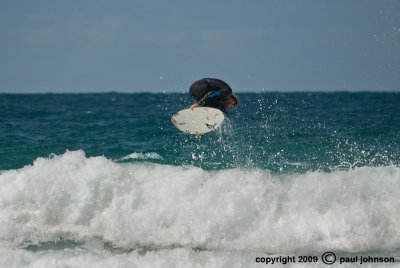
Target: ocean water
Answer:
pixel 105 180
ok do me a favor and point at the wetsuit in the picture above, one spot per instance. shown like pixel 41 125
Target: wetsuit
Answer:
pixel 211 92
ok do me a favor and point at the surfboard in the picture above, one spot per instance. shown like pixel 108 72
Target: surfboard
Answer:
pixel 199 120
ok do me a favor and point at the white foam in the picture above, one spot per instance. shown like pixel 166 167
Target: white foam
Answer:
pixel 163 258
pixel 74 197
pixel 150 155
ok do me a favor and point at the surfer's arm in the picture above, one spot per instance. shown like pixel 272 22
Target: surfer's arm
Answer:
pixel 194 105
pixel 209 95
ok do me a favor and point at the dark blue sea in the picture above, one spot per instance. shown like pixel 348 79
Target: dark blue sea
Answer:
pixel 106 180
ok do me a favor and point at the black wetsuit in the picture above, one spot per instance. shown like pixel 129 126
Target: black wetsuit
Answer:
pixel 211 92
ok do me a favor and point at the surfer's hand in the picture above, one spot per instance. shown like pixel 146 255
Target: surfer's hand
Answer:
pixel 194 106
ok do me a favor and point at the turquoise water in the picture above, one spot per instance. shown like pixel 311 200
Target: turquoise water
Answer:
pixel 284 133
pixel 106 178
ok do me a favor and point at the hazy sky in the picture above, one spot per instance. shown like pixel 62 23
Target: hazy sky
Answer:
pixel 157 45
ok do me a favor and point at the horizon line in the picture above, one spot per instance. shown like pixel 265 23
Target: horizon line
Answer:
pixel 181 92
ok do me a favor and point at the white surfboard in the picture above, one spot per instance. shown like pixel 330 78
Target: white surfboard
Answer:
pixel 200 120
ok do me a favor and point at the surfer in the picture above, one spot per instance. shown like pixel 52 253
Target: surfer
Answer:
pixel 215 93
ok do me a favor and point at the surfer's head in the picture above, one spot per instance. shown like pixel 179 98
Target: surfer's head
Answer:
pixel 231 101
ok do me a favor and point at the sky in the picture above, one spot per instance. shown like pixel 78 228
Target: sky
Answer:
pixel 164 46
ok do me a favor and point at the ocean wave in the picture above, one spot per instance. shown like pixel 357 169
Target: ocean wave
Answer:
pixel 72 197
